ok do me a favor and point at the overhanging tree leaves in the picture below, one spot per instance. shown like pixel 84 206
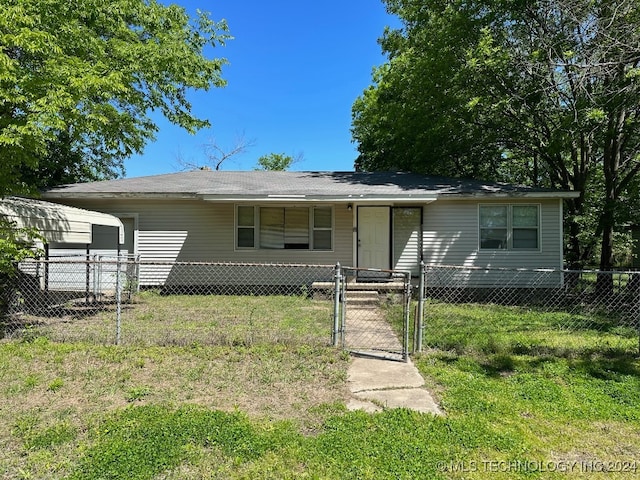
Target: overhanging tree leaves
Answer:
pixel 67 162
pixel 85 76
pixel 542 92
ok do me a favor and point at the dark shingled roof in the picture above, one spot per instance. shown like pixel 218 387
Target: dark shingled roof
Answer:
pixel 199 183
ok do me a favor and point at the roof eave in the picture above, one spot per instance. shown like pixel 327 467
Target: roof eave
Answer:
pixel 117 195
pixel 310 197
pixel 529 195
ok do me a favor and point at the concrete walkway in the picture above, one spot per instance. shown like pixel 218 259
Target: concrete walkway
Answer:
pixel 376 382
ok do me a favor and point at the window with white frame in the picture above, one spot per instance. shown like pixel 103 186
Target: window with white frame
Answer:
pixel 277 227
pixel 245 227
pixel 509 227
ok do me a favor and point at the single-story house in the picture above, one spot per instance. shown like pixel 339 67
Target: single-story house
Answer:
pixel 381 220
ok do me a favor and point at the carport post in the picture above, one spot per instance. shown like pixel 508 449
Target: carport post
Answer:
pixel 336 305
pixel 46 268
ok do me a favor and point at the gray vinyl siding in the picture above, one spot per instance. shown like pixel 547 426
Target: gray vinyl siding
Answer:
pixel 450 236
pixel 197 231
pixel 406 240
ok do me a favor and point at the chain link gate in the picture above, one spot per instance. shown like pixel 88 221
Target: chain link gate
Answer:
pixel 371 315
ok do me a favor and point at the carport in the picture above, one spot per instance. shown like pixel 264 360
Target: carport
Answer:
pixel 60 224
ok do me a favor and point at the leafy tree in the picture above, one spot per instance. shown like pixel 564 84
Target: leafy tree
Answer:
pixel 543 92
pixel 78 81
pixel 410 118
pixel 67 163
pixel 275 161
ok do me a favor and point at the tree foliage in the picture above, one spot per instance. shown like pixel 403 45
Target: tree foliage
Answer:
pixel 79 81
pixel 16 244
pixel 543 93
pixel 66 162
pixel 275 162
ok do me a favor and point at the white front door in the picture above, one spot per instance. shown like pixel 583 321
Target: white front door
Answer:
pixel 374 232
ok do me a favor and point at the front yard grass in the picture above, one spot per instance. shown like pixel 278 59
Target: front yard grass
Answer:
pixel 534 402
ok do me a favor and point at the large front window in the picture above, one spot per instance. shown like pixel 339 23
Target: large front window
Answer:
pixel 298 228
pixel 509 227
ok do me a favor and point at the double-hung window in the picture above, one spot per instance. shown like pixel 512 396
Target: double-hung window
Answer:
pixel 245 227
pixel 509 227
pixel 294 228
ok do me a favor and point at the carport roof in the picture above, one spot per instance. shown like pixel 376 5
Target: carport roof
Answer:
pixel 57 223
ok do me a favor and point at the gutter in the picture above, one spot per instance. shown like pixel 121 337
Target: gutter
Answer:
pixel 362 198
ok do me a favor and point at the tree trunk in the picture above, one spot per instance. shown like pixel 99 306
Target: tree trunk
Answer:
pixel 604 284
pixel 611 165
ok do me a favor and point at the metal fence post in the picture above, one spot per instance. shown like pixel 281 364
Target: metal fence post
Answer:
pixel 336 305
pixel 118 301
pixel 407 308
pixel 97 275
pixel 87 278
pixel 343 308
pixel 419 321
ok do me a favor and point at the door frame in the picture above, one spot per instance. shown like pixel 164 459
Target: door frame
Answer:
pixel 135 218
pixel 392 240
pixel 357 235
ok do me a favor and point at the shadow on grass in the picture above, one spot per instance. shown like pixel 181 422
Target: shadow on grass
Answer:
pixel 609 368
pixel 611 364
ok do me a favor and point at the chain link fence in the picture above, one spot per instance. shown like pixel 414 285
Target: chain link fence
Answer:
pixel 125 301
pixel 103 299
pixel 529 309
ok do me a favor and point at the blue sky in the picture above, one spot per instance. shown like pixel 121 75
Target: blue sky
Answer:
pixel 295 69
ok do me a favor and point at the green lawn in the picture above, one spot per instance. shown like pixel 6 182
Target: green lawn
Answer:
pixel 526 400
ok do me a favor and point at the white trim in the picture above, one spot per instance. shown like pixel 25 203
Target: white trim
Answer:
pixel 361 199
pixel 256 227
pixel 509 227
pixel 136 228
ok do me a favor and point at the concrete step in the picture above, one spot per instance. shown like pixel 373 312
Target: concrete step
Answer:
pixel 362 297
pixel 356 286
